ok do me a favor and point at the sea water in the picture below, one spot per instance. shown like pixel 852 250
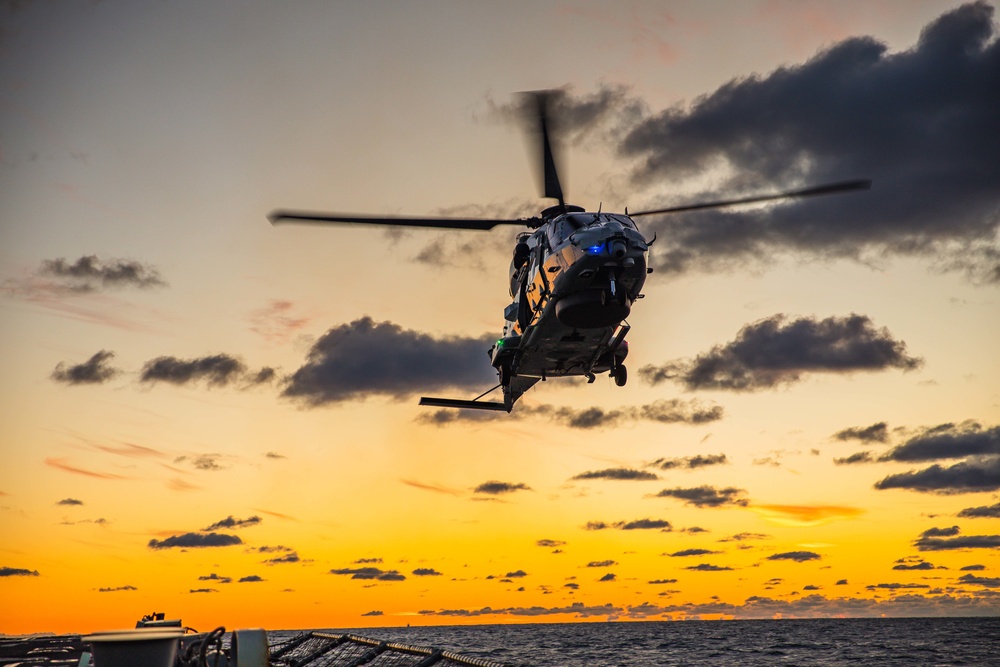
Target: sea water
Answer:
pixel 884 642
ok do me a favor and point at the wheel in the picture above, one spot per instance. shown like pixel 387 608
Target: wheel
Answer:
pixel 505 375
pixel 620 374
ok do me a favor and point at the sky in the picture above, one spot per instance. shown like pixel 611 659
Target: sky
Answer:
pixel 210 416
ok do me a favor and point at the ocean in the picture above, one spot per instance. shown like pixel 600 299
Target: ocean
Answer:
pixel 884 642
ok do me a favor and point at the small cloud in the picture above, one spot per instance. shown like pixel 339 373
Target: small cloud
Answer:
pixel 426 572
pixel 517 574
pixel 203 590
pixel 657 582
pixel 601 563
pixel 229 523
pixel 797 556
pixel 610 576
pixel 706 567
pixel 707 496
pixel 369 573
pixel 374 612
pixel 215 577
pixel 69 501
pixel 218 370
pixel 629 474
pixel 689 462
pixel 362 561
pixel 17 572
pixel 195 541
pixel 989 511
pixel 945 539
pixel 495 488
pixel 115 589
pixel 875 433
pixel 693 552
pixel 93 371
pixel 550 543
pixel 292 557
pixel 275 455
pixel 251 578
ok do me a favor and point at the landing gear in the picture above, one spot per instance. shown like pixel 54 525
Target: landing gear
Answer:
pixel 620 375
pixel 504 375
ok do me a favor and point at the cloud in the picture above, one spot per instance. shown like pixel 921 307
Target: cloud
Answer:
pixel 115 589
pixel 367 560
pixel 69 501
pixel 706 567
pixel 426 572
pixel 673 411
pixel 370 573
pixel 689 462
pixel 208 462
pixel 918 122
pixel 990 511
pixel 516 574
pixel 230 523
pixel 797 556
pixel 947 441
pixel 610 576
pixel 915 563
pixel 577 609
pixel 275 322
pixel 374 612
pixel 945 539
pixel 290 557
pixel 972 476
pixel 601 563
pixel 742 537
pixel 657 582
pixel 203 590
pixel 875 433
pixel 630 474
pixel 706 496
pixel 550 543
pixel 93 371
pixel 495 488
pixel 89 273
pixel 251 578
pixel 215 577
pixel 987 582
pixel 436 488
pixel 774 351
pixel 366 358
pixel 857 457
pixel 17 572
pixel 895 586
pixel 217 370
pixel 692 552
pixel 195 541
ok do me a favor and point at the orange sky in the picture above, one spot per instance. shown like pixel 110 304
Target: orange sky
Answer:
pixel 155 139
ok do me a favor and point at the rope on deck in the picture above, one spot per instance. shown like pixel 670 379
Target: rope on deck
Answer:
pixel 320 649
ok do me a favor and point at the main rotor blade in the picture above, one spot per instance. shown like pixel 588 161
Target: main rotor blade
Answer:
pixel 828 189
pixel 441 223
pixel 537 102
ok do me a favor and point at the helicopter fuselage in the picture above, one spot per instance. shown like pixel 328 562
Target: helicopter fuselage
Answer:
pixel 573 282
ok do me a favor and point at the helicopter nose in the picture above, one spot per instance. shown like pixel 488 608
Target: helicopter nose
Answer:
pixel 617 249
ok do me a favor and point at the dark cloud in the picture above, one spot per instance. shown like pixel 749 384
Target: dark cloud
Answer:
pixel 217 370
pixel 208 462
pixel 215 577
pixel 495 488
pixel 988 511
pixel 617 473
pixel 987 582
pixel 195 541
pixel 857 457
pixel 229 523
pixel 374 612
pixel 69 501
pixel 662 581
pixel 920 123
pixel 292 557
pixel 706 567
pixel 364 561
pixel 365 358
pixel 913 564
pixel 270 550
pixel 797 556
pixel 250 578
pixel 115 589
pixel 975 568
pixel 610 576
pixel 692 552
pixel 426 572
pixel 644 524
pixel 945 539
pixel 948 441
pixel 689 462
pixel 203 590
pixel 577 608
pixel 895 586
pixel 550 543
pixel 601 563
pixel 93 371
pixel 972 476
pixel 707 496
pixel 742 537
pixel 875 433
pixel 673 411
pixel 774 351
pixel 90 273
pixel 17 572
pixel 370 573
pixel 516 574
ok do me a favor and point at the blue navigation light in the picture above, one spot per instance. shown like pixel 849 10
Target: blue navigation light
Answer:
pixel 595 249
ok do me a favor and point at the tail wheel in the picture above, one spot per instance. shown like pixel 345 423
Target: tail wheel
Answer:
pixel 620 374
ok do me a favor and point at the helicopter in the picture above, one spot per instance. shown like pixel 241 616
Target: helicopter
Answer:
pixel 573 278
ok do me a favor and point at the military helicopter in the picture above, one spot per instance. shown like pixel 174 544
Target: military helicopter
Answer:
pixel 573 279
